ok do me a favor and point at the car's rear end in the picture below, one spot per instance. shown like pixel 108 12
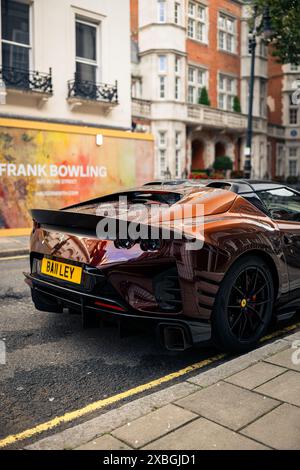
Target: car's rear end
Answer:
pixel 147 281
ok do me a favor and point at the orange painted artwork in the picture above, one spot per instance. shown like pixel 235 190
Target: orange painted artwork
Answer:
pixel 50 169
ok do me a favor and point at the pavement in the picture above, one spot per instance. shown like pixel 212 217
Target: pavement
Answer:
pixel 13 245
pixel 251 402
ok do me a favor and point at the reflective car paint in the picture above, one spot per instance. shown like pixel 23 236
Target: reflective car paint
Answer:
pixel 233 228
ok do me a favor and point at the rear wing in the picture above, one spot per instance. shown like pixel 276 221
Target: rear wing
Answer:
pixel 94 226
pixel 70 222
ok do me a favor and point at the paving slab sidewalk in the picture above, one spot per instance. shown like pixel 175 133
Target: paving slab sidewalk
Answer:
pixel 250 402
pixel 14 246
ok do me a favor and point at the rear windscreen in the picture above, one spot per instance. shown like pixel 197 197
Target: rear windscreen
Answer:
pixel 155 197
pixel 134 197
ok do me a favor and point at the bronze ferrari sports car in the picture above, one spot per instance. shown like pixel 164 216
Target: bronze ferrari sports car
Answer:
pixel 199 263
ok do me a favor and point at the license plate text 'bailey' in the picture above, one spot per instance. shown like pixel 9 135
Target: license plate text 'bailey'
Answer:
pixel 62 271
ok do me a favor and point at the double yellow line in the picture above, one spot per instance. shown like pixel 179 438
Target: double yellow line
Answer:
pixel 12 258
pixel 98 405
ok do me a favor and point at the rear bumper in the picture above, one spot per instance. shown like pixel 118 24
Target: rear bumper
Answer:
pixel 59 297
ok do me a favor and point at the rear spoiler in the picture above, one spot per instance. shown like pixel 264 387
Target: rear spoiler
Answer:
pixel 70 222
pixel 86 225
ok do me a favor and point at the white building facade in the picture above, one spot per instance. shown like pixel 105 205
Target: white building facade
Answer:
pixel 65 106
pixel 66 61
pixel 162 70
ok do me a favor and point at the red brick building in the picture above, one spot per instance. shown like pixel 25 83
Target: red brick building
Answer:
pixel 180 47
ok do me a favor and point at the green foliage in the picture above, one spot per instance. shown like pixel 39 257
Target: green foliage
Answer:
pixel 292 180
pixel 237 105
pixel 285 17
pixel 223 163
pixel 204 98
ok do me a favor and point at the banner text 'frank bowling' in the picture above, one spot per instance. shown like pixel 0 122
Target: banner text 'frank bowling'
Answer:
pixel 62 171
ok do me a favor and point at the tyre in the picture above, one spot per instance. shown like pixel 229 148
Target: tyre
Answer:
pixel 244 305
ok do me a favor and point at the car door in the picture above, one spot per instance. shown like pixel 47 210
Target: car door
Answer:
pixel 283 205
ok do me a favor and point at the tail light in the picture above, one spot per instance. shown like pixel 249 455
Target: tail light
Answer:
pixel 109 306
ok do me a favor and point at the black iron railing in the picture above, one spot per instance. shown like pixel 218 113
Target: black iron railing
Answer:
pixel 89 90
pixel 27 80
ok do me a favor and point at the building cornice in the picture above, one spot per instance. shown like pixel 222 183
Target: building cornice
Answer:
pixel 177 26
pixel 162 51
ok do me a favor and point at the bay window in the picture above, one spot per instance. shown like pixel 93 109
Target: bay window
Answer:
pixel 227 90
pixel 197 79
pixel 161 11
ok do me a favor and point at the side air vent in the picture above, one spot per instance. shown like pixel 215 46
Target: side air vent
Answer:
pixel 207 288
pixel 167 290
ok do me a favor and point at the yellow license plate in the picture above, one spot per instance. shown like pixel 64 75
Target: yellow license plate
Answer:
pixel 63 271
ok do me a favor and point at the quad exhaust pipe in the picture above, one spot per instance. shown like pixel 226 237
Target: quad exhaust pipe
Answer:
pixel 174 337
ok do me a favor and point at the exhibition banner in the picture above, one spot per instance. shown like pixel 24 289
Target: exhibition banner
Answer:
pixel 52 169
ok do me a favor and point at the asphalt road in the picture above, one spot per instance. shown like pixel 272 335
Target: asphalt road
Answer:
pixel 54 366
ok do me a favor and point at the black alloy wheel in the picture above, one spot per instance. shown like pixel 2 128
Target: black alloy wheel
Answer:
pixel 248 303
pixel 244 305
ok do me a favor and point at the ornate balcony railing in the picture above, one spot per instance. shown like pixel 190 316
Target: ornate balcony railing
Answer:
pixel 88 90
pixel 26 80
pixel 141 108
pixel 213 117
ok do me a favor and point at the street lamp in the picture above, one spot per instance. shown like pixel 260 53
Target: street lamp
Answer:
pixel 264 28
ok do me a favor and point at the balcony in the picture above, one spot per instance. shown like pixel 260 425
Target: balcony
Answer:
pixel 84 92
pixel 260 125
pixel 216 118
pixel 34 84
pixel 141 108
pixel 276 131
